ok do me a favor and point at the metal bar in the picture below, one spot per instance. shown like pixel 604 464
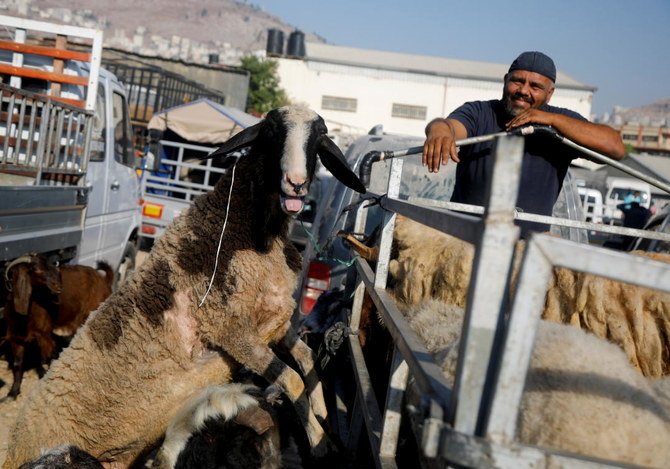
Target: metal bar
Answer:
pixel 410 208
pixel 355 425
pixel 388 225
pixel 491 264
pixel 366 399
pixel 636 270
pixel 34 107
pixel 41 141
pixel 620 166
pixel 469 451
pixel 359 291
pixel 393 408
pixel 19 131
pixel 427 374
pixel 463 226
pixel 500 422
pixel 8 128
pixel 58 136
pixel 68 139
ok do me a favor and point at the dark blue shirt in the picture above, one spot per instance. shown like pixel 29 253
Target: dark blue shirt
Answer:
pixel 545 160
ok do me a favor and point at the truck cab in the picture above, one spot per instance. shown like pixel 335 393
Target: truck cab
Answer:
pixel 113 210
pixel 619 189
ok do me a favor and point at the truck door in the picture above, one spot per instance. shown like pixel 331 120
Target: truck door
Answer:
pixel 113 215
pixel 96 182
pixel 122 210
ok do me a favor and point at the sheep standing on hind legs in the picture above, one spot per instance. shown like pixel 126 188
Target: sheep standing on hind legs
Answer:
pixel 166 334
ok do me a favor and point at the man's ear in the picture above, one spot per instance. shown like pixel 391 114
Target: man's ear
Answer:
pixel 550 93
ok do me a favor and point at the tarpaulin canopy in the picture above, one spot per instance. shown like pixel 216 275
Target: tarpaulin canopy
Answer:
pixel 202 121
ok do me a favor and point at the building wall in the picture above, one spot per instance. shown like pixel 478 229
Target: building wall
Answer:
pixel 375 91
pixel 646 139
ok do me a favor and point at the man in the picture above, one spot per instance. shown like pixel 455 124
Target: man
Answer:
pixel 528 87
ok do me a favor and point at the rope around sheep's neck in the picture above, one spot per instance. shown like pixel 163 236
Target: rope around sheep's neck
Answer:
pixel 223 230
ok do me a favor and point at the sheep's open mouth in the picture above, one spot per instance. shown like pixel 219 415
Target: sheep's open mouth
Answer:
pixel 292 205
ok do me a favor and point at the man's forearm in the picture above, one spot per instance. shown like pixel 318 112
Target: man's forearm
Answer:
pixel 600 138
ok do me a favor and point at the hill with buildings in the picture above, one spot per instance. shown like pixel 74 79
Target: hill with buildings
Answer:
pixel 656 114
pixel 193 31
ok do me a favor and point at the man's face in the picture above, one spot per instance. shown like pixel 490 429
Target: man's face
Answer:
pixel 525 90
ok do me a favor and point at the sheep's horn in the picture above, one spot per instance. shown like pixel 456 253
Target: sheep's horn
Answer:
pixel 333 159
pixel 17 261
pixel 368 253
pixel 255 418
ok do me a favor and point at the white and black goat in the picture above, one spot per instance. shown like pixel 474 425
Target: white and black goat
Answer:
pixel 216 292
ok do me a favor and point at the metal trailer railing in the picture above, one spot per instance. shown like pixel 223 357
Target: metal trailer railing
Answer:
pixel 151 89
pixel 473 424
pixel 43 139
pixel 46 136
pixel 172 190
pixel 177 183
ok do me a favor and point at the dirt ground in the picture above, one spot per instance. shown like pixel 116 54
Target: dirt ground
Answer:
pixel 9 407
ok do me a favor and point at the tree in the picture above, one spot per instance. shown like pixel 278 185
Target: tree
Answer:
pixel 264 90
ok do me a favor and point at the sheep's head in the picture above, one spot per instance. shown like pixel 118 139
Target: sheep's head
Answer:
pixel 31 272
pixel 295 135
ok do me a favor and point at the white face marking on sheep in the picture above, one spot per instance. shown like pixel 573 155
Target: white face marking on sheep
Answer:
pixel 295 180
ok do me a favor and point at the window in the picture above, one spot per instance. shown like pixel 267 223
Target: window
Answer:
pixel 408 111
pixel 99 123
pixel 335 103
pixel 650 138
pixel 123 149
pixel 629 137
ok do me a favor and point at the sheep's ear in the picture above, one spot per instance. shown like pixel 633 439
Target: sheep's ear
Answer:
pixel 236 142
pixel 22 288
pixel 333 159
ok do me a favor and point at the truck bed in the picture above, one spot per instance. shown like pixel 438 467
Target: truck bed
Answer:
pixel 40 218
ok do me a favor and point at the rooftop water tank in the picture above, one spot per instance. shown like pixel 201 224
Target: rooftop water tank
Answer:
pixel 296 44
pixel 275 45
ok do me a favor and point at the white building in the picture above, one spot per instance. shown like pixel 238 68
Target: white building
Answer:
pixel 360 88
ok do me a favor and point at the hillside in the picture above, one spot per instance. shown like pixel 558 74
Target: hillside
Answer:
pixel 654 114
pixel 185 29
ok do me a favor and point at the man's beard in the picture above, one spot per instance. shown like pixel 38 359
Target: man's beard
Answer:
pixel 511 110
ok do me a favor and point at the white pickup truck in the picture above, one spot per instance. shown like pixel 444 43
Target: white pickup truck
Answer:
pixel 68 187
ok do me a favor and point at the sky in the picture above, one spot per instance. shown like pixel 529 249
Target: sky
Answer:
pixel 621 47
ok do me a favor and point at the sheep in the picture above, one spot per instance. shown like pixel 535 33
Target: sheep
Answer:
pixel 634 318
pixel 44 300
pixel 232 425
pixel 165 334
pixel 63 457
pixel 581 393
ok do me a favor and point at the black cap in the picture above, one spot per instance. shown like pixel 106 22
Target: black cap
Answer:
pixel 535 62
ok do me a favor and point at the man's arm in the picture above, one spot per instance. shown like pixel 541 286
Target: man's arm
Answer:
pixel 597 137
pixel 440 144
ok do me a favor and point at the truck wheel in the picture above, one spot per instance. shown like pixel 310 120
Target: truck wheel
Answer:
pixel 127 265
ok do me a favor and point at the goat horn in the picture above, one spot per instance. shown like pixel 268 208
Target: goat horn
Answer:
pixel 18 260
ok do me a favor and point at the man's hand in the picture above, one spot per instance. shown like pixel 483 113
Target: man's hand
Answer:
pixel 531 116
pixel 440 145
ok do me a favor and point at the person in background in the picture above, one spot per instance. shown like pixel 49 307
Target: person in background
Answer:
pixel 528 86
pixel 634 216
pixel 632 197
